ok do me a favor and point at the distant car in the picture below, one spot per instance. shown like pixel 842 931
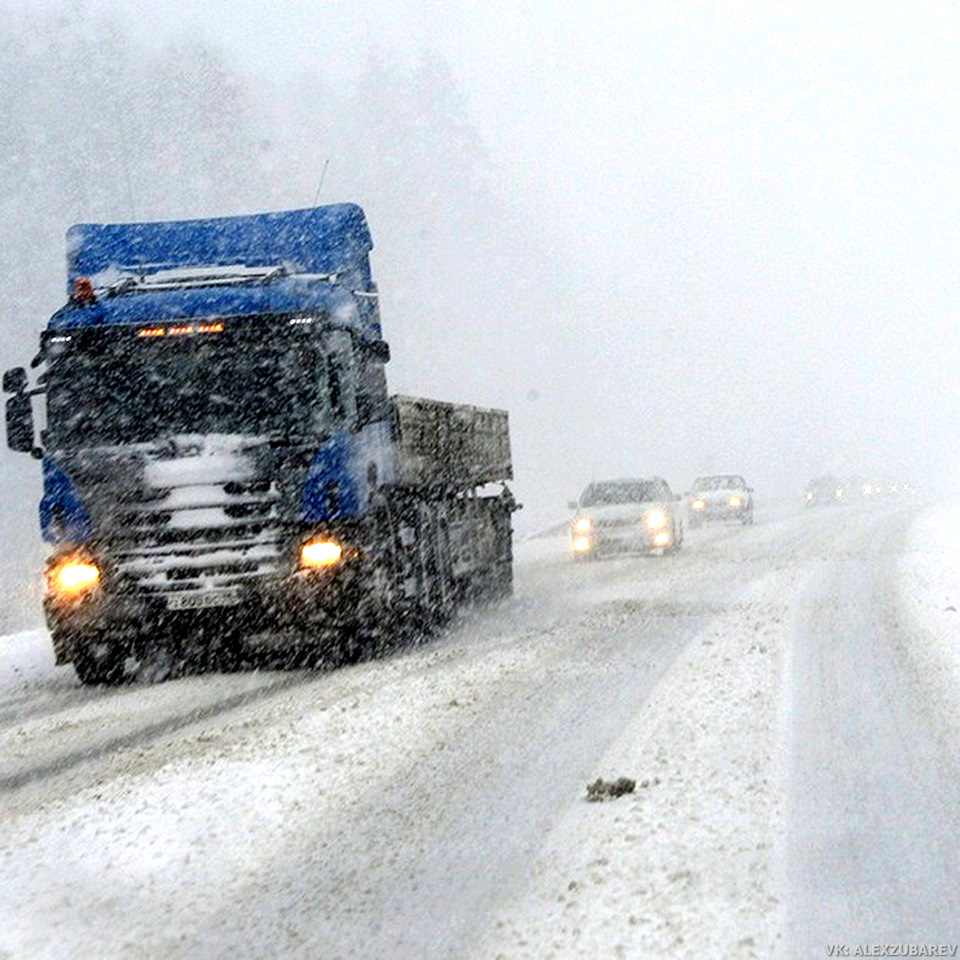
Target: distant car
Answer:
pixel 720 496
pixel 631 515
pixel 826 490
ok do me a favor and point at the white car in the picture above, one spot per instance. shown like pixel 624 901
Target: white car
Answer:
pixel 631 515
pixel 721 496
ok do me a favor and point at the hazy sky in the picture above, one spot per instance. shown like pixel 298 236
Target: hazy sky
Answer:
pixel 761 200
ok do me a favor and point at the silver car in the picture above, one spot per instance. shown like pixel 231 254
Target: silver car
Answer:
pixel 633 515
pixel 721 496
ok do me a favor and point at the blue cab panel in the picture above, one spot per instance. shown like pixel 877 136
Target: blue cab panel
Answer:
pixel 328 239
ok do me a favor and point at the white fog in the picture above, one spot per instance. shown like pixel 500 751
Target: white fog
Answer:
pixel 671 240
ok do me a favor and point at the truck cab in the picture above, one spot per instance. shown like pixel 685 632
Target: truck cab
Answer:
pixel 220 454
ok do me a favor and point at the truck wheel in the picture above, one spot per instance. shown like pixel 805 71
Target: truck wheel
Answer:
pixel 376 621
pixel 98 663
pixel 500 585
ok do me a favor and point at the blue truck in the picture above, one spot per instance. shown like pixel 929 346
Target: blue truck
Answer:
pixel 222 462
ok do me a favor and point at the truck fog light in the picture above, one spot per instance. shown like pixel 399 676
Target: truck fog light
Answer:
pixel 662 539
pixel 581 544
pixel 73 576
pixel 320 553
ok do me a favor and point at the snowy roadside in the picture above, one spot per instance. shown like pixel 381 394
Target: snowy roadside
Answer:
pixel 930 602
pixel 246 828
pixel 687 865
pixel 688 856
pixel 26 663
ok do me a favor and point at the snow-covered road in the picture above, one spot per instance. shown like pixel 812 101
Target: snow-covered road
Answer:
pixel 782 695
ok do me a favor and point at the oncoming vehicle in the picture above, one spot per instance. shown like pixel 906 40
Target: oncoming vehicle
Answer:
pixel 723 496
pixel 626 516
pixel 222 460
pixel 822 491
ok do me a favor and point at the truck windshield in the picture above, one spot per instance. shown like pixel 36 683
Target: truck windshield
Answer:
pixel 120 393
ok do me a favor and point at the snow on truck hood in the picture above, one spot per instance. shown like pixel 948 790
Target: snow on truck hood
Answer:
pixel 199 459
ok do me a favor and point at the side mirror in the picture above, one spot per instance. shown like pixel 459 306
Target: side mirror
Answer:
pixel 572 505
pixel 15 380
pixel 379 351
pixel 19 422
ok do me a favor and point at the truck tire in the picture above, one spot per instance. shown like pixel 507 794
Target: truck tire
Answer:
pixel 375 625
pixel 501 580
pixel 98 663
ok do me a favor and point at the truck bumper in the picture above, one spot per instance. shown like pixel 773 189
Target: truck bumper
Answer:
pixel 304 607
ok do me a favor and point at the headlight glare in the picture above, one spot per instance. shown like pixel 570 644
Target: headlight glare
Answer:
pixel 583 525
pixel 320 553
pixel 73 575
pixel 655 519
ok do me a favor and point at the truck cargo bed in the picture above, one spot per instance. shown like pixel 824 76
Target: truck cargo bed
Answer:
pixel 450 444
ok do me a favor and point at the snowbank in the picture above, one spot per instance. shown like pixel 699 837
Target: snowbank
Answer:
pixel 930 602
pixel 687 865
pixel 26 662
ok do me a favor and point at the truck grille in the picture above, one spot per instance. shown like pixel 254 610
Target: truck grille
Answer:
pixel 197 537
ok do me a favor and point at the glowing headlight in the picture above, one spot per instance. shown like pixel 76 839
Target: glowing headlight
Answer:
pixel 699 504
pixel 581 544
pixel 809 496
pixel 734 502
pixel 583 525
pixel 662 539
pixel 72 576
pixel 320 553
pixel 655 519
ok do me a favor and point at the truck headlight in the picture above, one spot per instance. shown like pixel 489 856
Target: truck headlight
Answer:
pixel 734 502
pixel 698 504
pixel 583 525
pixel 581 545
pixel 662 539
pixel 655 519
pixel 320 553
pixel 73 576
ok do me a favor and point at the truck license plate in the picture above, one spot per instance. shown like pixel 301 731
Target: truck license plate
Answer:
pixel 202 599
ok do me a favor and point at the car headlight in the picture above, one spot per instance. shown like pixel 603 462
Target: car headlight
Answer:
pixel 699 504
pixel 72 576
pixel 655 519
pixel 320 553
pixel 583 525
pixel 734 502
